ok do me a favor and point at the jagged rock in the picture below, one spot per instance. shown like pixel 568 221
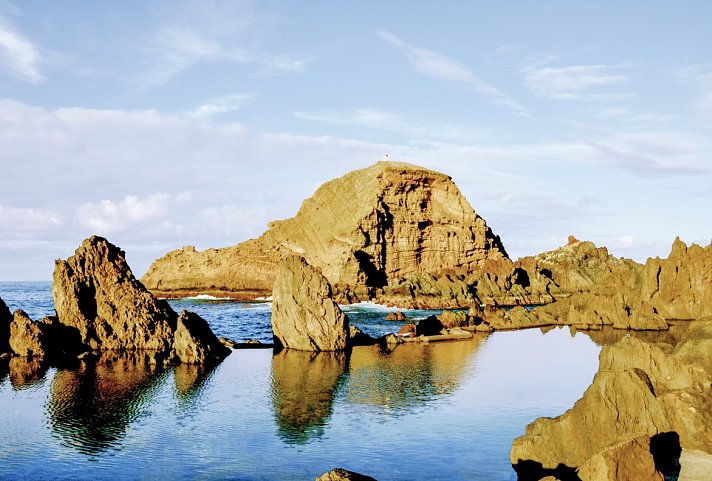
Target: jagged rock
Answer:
pixel 5 320
pixel 640 389
pixel 304 315
pixel 365 231
pixel 95 292
pixel 427 291
pixel 450 319
pixel 359 338
pixel 629 460
pixel 195 342
pixel 339 474
pixel 396 316
pixel 27 338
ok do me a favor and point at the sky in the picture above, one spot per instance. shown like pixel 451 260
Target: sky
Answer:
pixel 159 124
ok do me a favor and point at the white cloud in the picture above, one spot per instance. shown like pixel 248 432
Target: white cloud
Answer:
pixel 109 217
pixel 574 82
pixel 23 220
pixel 221 105
pixel 441 67
pixel 18 55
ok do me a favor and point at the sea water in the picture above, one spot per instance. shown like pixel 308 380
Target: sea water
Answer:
pixel 437 411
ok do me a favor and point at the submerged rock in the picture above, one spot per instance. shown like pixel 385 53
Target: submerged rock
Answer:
pixel 304 315
pixel 339 474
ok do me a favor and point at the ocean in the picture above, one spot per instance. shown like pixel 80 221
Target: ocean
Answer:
pixel 437 411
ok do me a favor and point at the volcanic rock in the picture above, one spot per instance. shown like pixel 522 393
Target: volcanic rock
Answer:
pixel 640 389
pixel 304 315
pixel 5 320
pixel 27 338
pixel 339 474
pixel 195 343
pixel 95 291
pixel 364 231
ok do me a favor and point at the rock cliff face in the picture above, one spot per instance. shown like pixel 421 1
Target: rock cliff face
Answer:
pixel 640 390
pixel 304 315
pixel 364 230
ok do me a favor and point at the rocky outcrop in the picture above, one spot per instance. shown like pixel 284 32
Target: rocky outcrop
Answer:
pixel 640 389
pixel 340 474
pixel 396 316
pixel 367 230
pixel 195 342
pixel 27 338
pixel 97 296
pixel 5 320
pixel 629 460
pixel 304 315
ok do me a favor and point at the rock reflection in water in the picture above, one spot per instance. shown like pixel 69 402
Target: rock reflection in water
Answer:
pixel 608 336
pixel 190 381
pixel 25 372
pixel 410 375
pixel 304 385
pixel 91 407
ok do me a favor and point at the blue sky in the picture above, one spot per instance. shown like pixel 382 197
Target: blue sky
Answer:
pixel 161 124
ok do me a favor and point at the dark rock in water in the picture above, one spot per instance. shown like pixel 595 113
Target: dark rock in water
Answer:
pixel 96 292
pixel 430 326
pixel 195 343
pixel 304 315
pixel 339 474
pixel 359 338
pixel 5 320
pixel 396 316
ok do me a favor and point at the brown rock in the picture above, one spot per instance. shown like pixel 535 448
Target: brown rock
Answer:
pixel 365 230
pixel 195 343
pixel 304 315
pixel 95 292
pixel 5 320
pixel 359 338
pixel 396 316
pixel 408 330
pixel 450 319
pixel 339 474
pixel 629 460
pixel 27 338
pixel 640 389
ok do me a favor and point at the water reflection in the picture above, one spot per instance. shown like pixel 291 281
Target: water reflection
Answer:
pixel 91 407
pixel 410 375
pixel 190 382
pixel 608 336
pixel 304 386
pixel 25 372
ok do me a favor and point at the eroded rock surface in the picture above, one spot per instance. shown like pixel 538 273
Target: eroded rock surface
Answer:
pixel 340 474
pixel 195 342
pixel 27 338
pixel 304 314
pixel 367 230
pixel 640 389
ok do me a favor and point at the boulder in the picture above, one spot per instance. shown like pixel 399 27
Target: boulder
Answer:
pixel 450 319
pixel 629 460
pixel 5 320
pixel 195 342
pixel 96 292
pixel 359 338
pixel 304 314
pixel 27 338
pixel 365 231
pixel 408 330
pixel 430 326
pixel 339 474
pixel 396 316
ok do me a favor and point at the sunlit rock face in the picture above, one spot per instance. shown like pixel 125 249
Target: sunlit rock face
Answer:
pixel 304 315
pixel 363 230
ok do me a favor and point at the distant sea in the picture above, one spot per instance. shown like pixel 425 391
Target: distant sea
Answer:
pixel 440 411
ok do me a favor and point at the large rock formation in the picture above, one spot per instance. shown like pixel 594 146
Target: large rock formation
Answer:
pixel 5 320
pixel 27 338
pixel 304 315
pixel 96 295
pixel 364 231
pixel 640 389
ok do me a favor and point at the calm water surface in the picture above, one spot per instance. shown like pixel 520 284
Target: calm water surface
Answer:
pixel 438 411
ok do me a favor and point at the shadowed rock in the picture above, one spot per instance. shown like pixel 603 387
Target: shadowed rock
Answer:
pixel 340 474
pixel 5 320
pixel 195 343
pixel 304 315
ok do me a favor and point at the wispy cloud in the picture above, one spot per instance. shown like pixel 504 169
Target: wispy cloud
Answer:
pixel 573 82
pixel 221 105
pixel 652 154
pixel 18 55
pixel 700 76
pixel 195 33
pixel 28 219
pixel 441 67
